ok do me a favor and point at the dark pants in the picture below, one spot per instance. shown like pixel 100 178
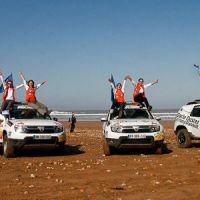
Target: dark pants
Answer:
pixel 118 106
pixel 7 104
pixel 141 100
pixel 72 127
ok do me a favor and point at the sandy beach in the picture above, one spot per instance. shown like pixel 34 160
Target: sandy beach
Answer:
pixel 83 172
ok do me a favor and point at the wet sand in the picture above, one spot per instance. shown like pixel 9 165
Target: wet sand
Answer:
pixel 81 171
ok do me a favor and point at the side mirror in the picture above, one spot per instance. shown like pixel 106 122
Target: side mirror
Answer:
pixel 158 118
pixel 55 119
pixel 104 119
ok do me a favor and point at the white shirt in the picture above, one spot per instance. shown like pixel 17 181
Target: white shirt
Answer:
pixel 141 89
pixel 10 95
pixel 26 85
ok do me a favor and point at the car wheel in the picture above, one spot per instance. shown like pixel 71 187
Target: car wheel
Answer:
pixel 183 138
pixel 158 150
pixel 8 148
pixel 106 147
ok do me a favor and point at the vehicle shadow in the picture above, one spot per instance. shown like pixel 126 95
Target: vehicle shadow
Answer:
pixel 195 145
pixel 140 151
pixel 45 151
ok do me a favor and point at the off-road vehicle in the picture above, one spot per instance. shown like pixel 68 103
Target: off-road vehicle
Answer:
pixel 136 128
pixel 23 125
pixel 187 124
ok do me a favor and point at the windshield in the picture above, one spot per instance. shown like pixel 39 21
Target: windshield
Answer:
pixel 27 114
pixel 132 114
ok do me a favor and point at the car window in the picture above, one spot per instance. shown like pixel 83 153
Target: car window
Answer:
pixel 132 114
pixel 196 112
pixel 26 114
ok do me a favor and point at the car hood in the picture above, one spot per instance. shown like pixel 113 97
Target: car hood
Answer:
pixel 137 122
pixel 35 122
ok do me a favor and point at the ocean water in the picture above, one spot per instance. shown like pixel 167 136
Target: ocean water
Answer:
pixel 96 115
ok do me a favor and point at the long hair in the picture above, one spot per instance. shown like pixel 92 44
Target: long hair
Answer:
pixel 31 81
pixel 11 83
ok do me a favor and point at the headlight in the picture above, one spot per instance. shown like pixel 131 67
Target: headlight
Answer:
pixel 59 129
pixel 116 128
pixel 155 128
pixel 20 128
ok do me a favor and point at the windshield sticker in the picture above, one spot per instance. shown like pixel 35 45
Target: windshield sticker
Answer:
pixel 187 120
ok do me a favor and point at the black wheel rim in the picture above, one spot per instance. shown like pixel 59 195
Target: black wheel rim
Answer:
pixel 181 138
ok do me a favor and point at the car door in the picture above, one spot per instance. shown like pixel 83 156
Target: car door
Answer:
pixel 194 121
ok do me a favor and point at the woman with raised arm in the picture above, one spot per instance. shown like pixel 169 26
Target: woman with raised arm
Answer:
pixel 8 97
pixel 139 91
pixel 119 100
pixel 31 97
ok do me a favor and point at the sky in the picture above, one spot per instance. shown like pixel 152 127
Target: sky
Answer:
pixel 76 44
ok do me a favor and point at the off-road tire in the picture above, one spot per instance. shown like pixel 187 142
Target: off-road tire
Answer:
pixel 106 147
pixel 158 150
pixel 183 138
pixel 8 148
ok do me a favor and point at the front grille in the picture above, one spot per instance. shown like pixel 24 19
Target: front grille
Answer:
pixel 140 129
pixel 40 129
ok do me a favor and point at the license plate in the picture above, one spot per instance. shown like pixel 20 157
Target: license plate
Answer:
pixel 136 136
pixel 42 137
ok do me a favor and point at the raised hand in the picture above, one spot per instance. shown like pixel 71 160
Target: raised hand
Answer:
pixel 43 82
pixel 128 77
pixel 154 82
pixel 110 80
pixel 21 74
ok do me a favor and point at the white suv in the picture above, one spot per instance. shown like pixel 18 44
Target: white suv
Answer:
pixel 25 126
pixel 187 123
pixel 136 128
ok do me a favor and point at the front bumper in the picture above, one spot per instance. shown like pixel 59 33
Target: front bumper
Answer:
pixel 32 140
pixel 124 141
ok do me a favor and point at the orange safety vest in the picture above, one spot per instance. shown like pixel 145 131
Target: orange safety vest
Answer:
pixel 119 96
pixel 30 95
pixel 137 89
pixel 5 94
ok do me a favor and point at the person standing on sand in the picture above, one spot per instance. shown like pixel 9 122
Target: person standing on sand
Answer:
pixel 30 95
pixel 9 93
pixel 119 100
pixel 139 91
pixel 72 120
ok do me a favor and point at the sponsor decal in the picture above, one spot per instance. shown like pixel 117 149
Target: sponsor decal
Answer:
pixel 187 120
pixel 159 136
pixel 62 138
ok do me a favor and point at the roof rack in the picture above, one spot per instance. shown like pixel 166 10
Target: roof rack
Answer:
pixel 197 101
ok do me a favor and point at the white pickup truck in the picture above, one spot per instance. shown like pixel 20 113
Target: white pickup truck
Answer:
pixel 136 128
pixel 187 124
pixel 25 126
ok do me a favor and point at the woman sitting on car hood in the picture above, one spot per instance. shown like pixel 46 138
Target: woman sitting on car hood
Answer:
pixel 31 97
